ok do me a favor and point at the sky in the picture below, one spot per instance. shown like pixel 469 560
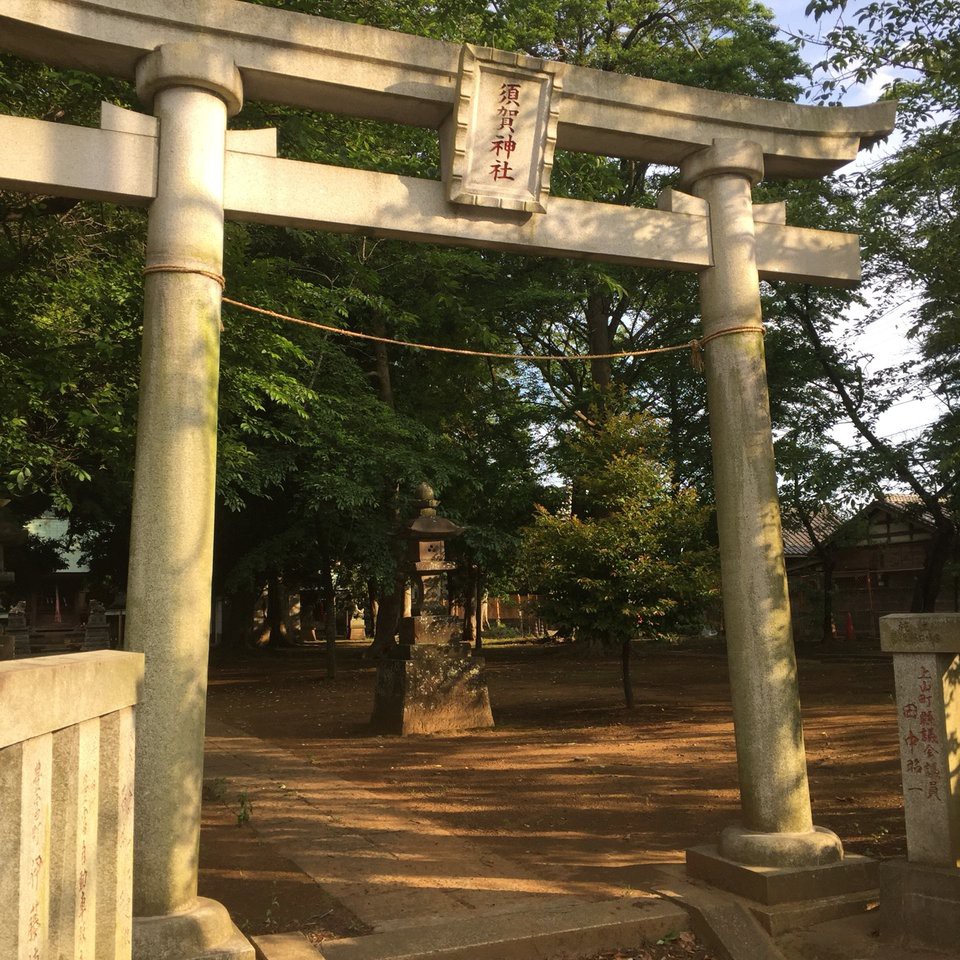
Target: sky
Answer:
pixel 885 339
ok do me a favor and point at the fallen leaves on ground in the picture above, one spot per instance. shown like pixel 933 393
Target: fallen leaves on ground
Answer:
pixel 682 946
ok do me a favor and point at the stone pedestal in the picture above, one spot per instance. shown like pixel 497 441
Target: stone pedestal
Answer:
pixel 920 906
pixel 200 930
pixel 785 898
pixel 920 898
pixel 431 689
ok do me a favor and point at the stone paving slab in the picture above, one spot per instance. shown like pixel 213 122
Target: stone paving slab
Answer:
pixel 284 946
pixel 556 929
pixel 382 865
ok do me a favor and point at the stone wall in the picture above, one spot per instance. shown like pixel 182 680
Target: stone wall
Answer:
pixel 66 776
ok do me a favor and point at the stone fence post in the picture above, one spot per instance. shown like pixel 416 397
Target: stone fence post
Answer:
pixel 920 897
pixel 66 778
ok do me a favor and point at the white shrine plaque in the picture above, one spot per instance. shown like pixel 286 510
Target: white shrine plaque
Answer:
pixel 504 130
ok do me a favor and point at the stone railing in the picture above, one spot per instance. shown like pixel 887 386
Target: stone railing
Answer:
pixel 66 829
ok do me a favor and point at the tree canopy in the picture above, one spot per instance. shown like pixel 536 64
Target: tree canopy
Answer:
pixel 322 439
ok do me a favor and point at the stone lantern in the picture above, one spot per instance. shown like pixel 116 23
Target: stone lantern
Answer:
pixel 430 682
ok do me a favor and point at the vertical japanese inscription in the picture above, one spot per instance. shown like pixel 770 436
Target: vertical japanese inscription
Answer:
pixel 503 143
pixel 923 761
pixel 499 142
pixel 37 761
pixel 926 668
pixel 931 805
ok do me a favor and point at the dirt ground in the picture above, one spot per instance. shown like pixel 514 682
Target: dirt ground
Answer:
pixel 569 782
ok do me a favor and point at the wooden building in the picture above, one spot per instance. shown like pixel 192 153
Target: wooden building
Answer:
pixel 876 557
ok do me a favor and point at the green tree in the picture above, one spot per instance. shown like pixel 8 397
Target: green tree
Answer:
pixel 632 560
pixel 320 437
pixel 910 201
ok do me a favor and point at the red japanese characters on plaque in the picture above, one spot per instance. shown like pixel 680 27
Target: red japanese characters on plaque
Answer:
pixel 922 759
pixel 498 146
pixel 503 143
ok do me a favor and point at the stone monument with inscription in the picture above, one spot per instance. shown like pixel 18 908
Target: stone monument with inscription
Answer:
pixel 920 897
pixel 430 682
pixel 7 642
pixel 18 629
pixel 96 633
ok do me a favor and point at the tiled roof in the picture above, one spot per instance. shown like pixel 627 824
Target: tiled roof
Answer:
pixel 797 543
pixel 796 540
pixel 909 504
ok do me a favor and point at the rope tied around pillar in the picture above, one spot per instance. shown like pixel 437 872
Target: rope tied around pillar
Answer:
pixel 217 278
pixel 697 357
pixel 459 351
pixel 694 346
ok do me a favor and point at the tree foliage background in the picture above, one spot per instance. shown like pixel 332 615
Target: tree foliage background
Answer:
pixel 323 439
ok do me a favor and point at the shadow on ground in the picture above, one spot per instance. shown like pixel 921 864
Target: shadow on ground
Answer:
pixel 569 786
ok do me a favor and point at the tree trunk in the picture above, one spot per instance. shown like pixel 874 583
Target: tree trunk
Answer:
pixel 308 614
pixel 382 366
pixel 928 583
pixel 388 617
pixel 389 605
pixel 828 631
pixel 373 605
pixel 598 315
pixel 478 615
pixel 673 423
pixel 470 607
pixel 330 620
pixel 625 671
pixel 291 620
pixel 276 630
pixel 238 618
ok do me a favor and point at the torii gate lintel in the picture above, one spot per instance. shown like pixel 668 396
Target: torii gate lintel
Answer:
pixel 118 163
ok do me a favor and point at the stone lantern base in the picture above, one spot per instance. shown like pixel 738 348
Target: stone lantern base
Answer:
pixel 431 688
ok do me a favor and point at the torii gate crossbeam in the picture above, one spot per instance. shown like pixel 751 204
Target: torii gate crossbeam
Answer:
pixel 362 71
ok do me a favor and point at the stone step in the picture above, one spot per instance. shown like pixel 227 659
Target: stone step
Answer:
pixel 818 896
pixel 569 929
pixel 520 903
pixel 784 917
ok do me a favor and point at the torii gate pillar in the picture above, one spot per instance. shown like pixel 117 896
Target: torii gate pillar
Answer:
pixel 192 90
pixel 777 828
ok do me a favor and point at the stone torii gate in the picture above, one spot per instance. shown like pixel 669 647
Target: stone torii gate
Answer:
pixel 193 62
